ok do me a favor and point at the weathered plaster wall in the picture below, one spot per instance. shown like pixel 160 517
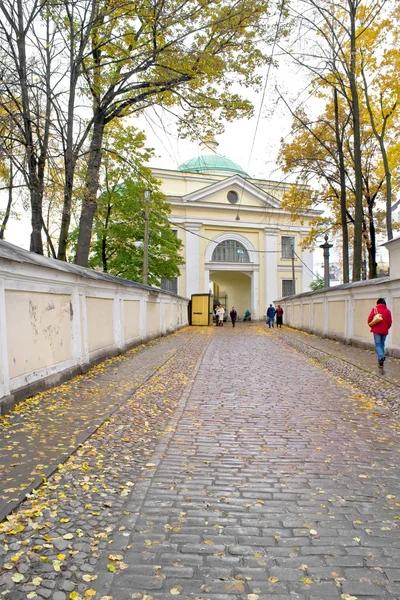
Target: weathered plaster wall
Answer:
pixel 131 319
pixel 100 322
pixel 58 319
pixel 336 310
pixel 38 330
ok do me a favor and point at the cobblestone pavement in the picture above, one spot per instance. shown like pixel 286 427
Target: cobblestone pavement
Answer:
pixel 272 478
pixel 363 359
pixel 44 430
pixel 355 366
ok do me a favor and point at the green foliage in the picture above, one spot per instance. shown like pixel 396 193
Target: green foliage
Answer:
pixel 119 224
pixel 317 284
pixel 117 246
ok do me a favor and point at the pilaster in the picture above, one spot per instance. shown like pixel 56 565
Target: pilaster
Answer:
pixel 192 258
pixel 255 296
pixel 271 266
pixel 308 267
pixel 4 372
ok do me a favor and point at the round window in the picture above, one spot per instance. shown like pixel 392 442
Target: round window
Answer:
pixel 232 197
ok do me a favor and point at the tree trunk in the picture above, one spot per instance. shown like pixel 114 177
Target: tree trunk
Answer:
pixel 71 151
pixel 388 177
pixel 36 200
pixel 104 240
pixel 91 188
pixel 49 241
pixel 343 193
pixel 70 158
pixel 66 213
pixel 371 247
pixel 36 244
pixel 358 212
pixel 381 139
pixel 9 202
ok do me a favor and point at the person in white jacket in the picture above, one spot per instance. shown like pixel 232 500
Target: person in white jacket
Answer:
pixel 221 315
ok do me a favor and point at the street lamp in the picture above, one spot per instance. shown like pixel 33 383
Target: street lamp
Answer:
pixel 326 247
pixel 145 275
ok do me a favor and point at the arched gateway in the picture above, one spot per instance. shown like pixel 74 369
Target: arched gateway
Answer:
pixel 232 268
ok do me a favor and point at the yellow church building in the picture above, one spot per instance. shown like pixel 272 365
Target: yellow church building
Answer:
pixel 238 243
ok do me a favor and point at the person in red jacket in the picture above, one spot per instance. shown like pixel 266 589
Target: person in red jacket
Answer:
pixel 381 329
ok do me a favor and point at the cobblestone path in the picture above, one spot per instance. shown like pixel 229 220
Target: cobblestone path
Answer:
pixel 273 479
pixel 44 430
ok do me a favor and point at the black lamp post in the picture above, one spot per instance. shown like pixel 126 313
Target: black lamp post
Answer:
pixel 326 247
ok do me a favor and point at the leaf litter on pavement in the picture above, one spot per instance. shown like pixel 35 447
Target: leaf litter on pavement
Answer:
pixel 59 532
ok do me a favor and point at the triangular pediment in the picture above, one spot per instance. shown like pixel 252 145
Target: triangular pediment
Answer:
pixel 248 193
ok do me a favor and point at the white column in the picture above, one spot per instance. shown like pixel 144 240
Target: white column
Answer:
pixel 4 373
pixel 255 296
pixel 192 250
pixel 308 266
pixel 271 267
pixel 206 281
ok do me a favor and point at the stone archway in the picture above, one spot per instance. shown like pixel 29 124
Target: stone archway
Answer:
pixel 238 279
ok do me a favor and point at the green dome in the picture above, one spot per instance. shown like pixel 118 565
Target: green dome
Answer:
pixel 211 163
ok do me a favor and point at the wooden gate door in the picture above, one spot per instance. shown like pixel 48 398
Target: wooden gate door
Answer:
pixel 201 309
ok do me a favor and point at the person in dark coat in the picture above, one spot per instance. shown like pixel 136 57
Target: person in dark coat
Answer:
pixel 233 316
pixel 270 316
pixel 381 329
pixel 279 316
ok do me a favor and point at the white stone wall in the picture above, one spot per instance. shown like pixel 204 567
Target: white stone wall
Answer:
pixel 341 312
pixel 55 322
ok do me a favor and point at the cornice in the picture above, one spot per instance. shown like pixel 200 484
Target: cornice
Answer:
pixel 243 208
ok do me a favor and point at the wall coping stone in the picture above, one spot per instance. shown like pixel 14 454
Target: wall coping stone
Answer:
pixel 16 254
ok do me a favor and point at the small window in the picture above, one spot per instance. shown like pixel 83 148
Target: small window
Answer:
pixel 169 285
pixel 287 287
pixel 233 197
pixel 287 246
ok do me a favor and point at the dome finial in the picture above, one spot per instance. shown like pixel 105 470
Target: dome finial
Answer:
pixel 209 145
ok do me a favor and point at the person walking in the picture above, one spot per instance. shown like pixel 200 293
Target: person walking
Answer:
pixel 279 316
pixel 221 315
pixel 233 316
pixel 270 316
pixel 380 321
pixel 217 316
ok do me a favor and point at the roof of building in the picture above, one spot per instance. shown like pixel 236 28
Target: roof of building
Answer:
pixel 209 163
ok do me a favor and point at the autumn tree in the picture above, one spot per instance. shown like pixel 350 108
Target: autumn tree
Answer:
pixel 119 224
pixel 187 56
pixel 75 21
pixel 379 72
pixel 336 32
pixel 313 152
pixel 26 63
pixel 316 150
